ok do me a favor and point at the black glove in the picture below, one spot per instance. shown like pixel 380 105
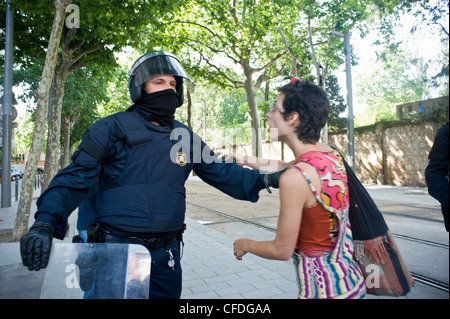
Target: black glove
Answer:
pixel 35 246
pixel 273 179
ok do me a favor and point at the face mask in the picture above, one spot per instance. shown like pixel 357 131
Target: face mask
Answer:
pixel 161 105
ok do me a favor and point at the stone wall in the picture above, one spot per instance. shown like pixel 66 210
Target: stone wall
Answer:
pixel 425 107
pixel 394 153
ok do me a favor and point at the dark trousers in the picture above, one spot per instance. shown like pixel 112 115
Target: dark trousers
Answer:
pixel 165 282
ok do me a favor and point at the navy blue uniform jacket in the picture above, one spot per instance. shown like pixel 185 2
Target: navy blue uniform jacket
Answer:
pixel 437 171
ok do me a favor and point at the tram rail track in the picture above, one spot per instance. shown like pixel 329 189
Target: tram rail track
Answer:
pixel 430 282
pixel 419 278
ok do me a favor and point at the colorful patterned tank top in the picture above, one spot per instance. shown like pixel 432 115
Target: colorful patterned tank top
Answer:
pixel 334 273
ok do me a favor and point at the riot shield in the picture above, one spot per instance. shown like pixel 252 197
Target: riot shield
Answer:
pixel 77 271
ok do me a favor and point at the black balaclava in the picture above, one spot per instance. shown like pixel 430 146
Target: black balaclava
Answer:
pixel 161 105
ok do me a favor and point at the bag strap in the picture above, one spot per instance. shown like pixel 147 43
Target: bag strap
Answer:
pixel 365 217
pixel 311 186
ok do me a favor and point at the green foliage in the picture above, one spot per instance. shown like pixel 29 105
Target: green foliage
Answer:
pixel 215 38
pixel 234 109
pixel 396 78
pixel 24 134
pixel 337 105
pixel 84 90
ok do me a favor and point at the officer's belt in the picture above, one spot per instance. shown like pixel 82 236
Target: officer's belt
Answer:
pixel 149 243
pixel 99 234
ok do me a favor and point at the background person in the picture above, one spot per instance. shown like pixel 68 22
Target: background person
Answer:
pixel 437 171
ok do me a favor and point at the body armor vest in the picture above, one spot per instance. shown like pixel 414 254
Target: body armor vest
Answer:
pixel 141 187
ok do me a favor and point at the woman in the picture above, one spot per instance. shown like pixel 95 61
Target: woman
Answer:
pixel 313 225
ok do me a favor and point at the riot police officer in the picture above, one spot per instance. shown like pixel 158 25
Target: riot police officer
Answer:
pixel 138 162
pixel 437 171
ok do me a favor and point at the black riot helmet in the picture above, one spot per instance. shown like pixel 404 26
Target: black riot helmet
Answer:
pixel 155 62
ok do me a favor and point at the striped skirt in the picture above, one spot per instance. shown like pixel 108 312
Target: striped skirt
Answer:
pixel 336 275
pixel 318 278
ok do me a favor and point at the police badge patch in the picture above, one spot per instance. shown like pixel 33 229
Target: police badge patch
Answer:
pixel 181 159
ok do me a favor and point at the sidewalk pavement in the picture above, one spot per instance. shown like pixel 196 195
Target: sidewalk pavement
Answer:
pixel 8 216
pixel 406 194
pixel 210 270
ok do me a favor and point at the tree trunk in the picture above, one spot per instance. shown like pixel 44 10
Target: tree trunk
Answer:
pixel 66 126
pixel 253 111
pixel 54 127
pixel 321 72
pixel 69 63
pixel 286 43
pixel 42 92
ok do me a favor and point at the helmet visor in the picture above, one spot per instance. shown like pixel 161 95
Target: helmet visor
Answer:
pixel 157 63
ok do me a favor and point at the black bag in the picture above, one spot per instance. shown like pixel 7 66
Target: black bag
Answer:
pixel 365 218
pixel 375 250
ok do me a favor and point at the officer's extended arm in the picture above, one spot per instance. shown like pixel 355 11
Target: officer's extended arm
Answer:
pixel 232 179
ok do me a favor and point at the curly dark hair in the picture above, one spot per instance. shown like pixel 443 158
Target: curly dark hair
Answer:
pixel 311 102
